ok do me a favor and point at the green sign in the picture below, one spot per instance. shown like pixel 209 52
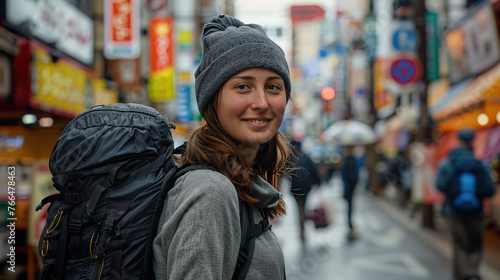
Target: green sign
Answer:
pixel 432 46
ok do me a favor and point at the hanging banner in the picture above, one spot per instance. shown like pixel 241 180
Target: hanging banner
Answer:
pixel 122 29
pixel 432 44
pixel 382 97
pixel 161 52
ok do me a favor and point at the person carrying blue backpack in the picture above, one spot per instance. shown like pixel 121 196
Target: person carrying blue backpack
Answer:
pixel 465 181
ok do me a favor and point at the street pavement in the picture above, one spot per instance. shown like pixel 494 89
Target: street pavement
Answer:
pixel 390 246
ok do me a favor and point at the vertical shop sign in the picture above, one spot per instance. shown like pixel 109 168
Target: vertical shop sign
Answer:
pixel 432 42
pixel 370 36
pixel 161 53
pixel 183 103
pixel 382 96
pixel 121 29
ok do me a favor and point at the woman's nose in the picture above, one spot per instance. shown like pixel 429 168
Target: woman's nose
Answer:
pixel 260 101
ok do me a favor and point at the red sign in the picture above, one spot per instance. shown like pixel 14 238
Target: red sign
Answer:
pixel 161 44
pixel 121 20
pixel 306 13
pixel 161 64
pixel 121 29
pixel 406 70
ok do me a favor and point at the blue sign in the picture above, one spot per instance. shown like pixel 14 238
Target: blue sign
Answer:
pixel 405 38
pixel 183 103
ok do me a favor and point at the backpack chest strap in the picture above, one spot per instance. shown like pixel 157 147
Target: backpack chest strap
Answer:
pixel 259 228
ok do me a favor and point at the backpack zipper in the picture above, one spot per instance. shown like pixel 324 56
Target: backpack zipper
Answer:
pixel 166 118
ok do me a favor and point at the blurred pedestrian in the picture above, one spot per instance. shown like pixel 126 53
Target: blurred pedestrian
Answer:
pixel 242 87
pixel 400 173
pixel 350 176
pixel 465 181
pixel 304 176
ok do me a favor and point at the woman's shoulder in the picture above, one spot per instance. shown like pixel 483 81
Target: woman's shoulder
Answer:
pixel 207 182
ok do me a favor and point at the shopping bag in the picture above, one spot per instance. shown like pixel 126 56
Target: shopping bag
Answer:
pixel 320 216
pixel 322 211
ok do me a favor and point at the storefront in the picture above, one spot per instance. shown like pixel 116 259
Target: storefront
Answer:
pixel 45 80
pixel 469 98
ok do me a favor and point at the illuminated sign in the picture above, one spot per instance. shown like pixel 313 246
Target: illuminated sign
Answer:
pixel 58 86
pixel 121 29
pixel 161 53
pixel 57 22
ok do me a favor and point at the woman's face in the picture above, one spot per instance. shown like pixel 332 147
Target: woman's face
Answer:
pixel 251 106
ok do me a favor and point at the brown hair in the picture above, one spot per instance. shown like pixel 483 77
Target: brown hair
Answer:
pixel 210 143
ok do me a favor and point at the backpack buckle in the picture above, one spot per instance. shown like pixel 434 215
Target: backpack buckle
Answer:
pixel 72 198
pixel 265 225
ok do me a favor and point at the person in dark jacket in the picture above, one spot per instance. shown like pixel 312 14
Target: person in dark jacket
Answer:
pixel 350 176
pixel 400 174
pixel 466 227
pixel 304 176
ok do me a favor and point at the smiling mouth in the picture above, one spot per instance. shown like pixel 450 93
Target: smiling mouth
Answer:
pixel 258 121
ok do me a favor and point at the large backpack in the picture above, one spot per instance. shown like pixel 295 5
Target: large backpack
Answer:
pixel 112 166
pixel 468 186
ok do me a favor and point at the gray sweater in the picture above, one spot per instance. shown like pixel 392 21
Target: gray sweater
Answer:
pixel 199 231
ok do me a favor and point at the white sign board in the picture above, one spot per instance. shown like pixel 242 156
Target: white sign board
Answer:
pixel 55 22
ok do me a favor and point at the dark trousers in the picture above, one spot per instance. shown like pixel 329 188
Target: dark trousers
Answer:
pixel 467 233
pixel 348 196
pixel 301 203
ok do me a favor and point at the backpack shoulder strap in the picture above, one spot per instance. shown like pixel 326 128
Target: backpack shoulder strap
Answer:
pixel 249 230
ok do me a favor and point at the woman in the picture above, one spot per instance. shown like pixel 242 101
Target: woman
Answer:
pixel 242 87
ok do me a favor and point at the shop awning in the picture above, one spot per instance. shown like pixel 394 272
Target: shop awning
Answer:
pixel 458 106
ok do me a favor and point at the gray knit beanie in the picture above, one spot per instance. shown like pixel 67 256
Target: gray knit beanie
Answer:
pixel 229 47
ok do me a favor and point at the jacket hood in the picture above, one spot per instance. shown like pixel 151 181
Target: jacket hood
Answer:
pixel 267 195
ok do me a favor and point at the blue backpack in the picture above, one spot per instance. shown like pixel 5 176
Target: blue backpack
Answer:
pixel 467 201
pixel 469 186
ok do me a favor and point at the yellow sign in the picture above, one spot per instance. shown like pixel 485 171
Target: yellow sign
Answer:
pixel 102 95
pixel 161 85
pixel 58 85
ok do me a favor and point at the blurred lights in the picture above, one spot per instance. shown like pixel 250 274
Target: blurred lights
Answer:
pixel 46 122
pixel 28 119
pixel 483 119
pixel 498 117
pixel 328 93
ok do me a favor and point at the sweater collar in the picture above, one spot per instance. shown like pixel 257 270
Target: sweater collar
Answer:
pixel 268 196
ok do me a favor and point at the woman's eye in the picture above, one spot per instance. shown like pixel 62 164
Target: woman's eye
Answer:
pixel 273 87
pixel 241 87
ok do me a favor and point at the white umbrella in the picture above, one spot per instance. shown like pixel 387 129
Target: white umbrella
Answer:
pixel 350 132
